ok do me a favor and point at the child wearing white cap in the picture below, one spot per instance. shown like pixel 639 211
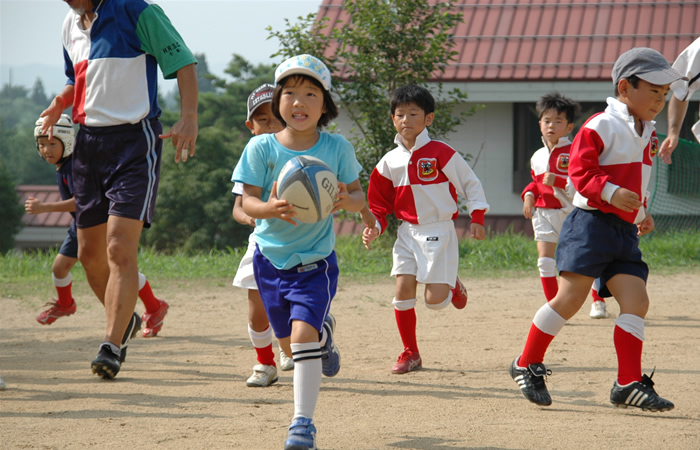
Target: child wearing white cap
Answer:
pixel 295 266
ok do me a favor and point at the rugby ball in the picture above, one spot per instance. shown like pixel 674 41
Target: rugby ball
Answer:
pixel 310 185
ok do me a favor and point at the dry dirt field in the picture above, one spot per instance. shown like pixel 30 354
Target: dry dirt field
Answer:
pixel 185 389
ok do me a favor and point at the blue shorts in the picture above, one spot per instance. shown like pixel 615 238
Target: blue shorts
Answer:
pixel 116 171
pixel 599 245
pixel 300 293
pixel 69 247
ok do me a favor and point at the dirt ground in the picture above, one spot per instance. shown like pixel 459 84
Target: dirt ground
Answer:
pixel 185 389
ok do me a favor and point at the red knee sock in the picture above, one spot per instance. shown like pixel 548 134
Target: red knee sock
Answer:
pixel 629 356
pixel 535 347
pixel 149 300
pixel 550 286
pixel 266 355
pixel 406 321
pixel 65 296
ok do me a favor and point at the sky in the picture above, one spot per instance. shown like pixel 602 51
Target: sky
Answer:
pixel 30 34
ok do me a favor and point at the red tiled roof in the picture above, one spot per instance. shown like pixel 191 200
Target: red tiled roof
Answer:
pixel 44 194
pixel 544 40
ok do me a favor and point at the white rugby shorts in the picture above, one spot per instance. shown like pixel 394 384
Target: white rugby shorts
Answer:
pixel 244 275
pixel 547 222
pixel 430 252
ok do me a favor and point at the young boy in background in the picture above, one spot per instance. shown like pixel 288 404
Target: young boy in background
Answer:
pixel 58 151
pixel 610 166
pixel 419 181
pixel 550 193
pixel 260 120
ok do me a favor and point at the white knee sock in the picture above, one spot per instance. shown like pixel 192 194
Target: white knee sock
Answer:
pixel 307 378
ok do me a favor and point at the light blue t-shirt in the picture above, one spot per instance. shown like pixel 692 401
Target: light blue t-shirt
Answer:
pixel 286 245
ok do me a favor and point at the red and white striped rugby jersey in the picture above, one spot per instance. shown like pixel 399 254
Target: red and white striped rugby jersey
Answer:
pixel 607 153
pixel 556 162
pixel 421 185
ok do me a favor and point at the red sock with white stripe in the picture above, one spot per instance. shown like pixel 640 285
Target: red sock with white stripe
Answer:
pixel 262 341
pixel 405 313
pixel 146 295
pixel 548 276
pixel 64 289
pixel 545 325
pixel 629 341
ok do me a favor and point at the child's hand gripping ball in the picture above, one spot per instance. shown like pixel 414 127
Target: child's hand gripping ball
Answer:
pixel 310 185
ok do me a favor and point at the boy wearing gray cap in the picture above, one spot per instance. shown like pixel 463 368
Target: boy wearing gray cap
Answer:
pixel 609 166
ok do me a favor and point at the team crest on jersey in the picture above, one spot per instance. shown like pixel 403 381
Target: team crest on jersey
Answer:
pixel 563 162
pixel 427 169
pixel 654 146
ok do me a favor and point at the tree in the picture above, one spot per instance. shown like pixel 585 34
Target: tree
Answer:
pixel 38 95
pixel 204 77
pixel 195 203
pixel 11 211
pixel 385 44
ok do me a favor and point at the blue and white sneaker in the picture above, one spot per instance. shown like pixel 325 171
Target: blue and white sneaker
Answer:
pixel 302 435
pixel 330 356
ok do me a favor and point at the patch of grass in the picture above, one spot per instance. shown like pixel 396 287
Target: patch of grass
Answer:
pixel 508 254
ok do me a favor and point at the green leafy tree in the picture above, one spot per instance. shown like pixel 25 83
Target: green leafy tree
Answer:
pixel 384 45
pixel 38 95
pixel 194 206
pixel 11 211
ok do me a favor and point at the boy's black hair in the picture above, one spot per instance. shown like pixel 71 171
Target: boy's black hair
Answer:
pixel 634 81
pixel 331 109
pixel 559 103
pixel 412 93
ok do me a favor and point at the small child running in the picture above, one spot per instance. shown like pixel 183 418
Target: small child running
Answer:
pixel 610 167
pixel 58 151
pixel 260 120
pixel 419 181
pixel 295 266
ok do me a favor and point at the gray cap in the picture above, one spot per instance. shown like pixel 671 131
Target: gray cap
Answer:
pixel 647 64
pixel 261 95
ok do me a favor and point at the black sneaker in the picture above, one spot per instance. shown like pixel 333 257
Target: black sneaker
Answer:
pixel 531 381
pixel 106 364
pixel 640 394
pixel 131 330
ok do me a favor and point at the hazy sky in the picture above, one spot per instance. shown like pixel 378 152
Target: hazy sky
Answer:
pixel 30 33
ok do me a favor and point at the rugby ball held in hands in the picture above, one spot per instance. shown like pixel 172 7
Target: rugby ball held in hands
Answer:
pixel 310 185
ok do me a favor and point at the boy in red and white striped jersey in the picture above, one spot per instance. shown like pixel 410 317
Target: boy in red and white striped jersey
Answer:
pixel 610 166
pixel 419 182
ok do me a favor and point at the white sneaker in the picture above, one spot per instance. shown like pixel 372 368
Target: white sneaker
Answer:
pixel 286 363
pixel 263 376
pixel 598 310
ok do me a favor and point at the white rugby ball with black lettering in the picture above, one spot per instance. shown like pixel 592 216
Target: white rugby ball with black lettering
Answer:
pixel 310 185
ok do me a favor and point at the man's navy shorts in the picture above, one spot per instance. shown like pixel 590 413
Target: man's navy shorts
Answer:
pixel 301 293
pixel 116 171
pixel 69 247
pixel 599 245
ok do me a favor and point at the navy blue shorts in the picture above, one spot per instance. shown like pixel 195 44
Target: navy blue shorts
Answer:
pixel 302 293
pixel 116 171
pixel 69 247
pixel 599 245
